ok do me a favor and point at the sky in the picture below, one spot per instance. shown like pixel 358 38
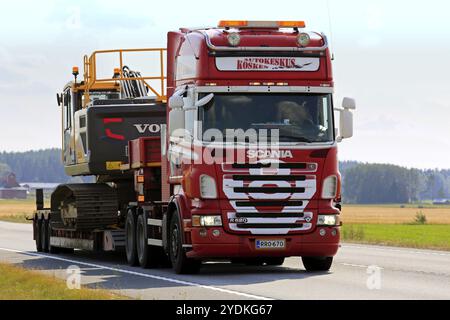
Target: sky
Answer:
pixel 391 56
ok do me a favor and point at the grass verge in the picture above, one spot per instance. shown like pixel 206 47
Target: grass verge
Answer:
pixel 20 284
pixel 402 235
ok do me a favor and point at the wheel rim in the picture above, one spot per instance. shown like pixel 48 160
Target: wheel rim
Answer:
pixel 174 242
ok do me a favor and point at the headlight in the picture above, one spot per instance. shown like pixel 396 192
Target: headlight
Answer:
pixel 234 39
pixel 328 220
pixel 329 188
pixel 208 189
pixel 303 39
pixel 206 221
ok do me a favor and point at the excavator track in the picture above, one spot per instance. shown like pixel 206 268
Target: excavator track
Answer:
pixel 84 207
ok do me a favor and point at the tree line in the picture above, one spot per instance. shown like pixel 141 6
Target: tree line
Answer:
pixel 363 183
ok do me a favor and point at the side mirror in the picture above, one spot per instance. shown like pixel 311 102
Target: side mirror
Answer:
pixel 346 125
pixel 349 104
pixel 176 102
pixel 204 101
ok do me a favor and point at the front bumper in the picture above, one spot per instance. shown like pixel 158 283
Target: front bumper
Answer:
pixel 227 245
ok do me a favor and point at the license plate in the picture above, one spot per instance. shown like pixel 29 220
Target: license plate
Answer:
pixel 271 244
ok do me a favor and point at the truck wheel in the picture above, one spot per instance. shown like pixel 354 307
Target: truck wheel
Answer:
pixel 148 256
pixel 130 239
pixel 274 261
pixel 314 264
pixel 38 226
pixel 44 235
pixel 180 263
pixel 51 249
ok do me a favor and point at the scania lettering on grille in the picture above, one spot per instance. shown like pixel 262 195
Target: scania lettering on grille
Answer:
pixel 270 154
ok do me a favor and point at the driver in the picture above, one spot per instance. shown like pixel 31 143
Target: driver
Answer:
pixel 295 114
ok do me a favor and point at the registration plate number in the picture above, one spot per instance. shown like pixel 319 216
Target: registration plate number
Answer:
pixel 271 244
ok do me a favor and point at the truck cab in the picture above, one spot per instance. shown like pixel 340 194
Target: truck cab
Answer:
pixel 252 142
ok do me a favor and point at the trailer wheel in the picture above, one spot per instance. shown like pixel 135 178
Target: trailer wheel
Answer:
pixel 44 235
pixel 180 263
pixel 51 249
pixel 38 226
pixel 130 239
pixel 315 264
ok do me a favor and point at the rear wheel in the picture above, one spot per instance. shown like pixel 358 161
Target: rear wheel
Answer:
pixel 316 264
pixel 44 235
pixel 149 256
pixel 130 239
pixel 180 262
pixel 38 227
pixel 51 249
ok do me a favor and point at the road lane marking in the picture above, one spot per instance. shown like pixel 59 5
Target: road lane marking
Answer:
pixel 397 250
pixel 180 282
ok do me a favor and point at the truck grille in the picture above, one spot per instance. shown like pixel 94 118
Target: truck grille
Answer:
pixel 270 199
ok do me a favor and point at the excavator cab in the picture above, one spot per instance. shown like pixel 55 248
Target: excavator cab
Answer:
pixel 101 114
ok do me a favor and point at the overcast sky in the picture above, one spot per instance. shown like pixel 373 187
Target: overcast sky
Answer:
pixel 391 56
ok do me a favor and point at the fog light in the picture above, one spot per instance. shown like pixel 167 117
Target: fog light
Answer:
pixel 323 232
pixel 216 233
pixel 334 233
pixel 203 233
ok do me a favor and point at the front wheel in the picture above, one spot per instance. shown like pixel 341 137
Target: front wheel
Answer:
pixel 180 263
pixel 315 264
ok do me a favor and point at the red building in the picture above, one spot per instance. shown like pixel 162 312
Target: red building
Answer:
pixel 10 188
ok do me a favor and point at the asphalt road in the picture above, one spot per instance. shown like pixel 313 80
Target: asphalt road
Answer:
pixel 359 272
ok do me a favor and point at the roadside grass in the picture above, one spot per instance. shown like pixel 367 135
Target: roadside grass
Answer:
pixel 20 284
pixel 412 235
pixel 17 218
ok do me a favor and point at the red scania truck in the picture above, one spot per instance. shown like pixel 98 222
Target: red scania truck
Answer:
pixel 228 153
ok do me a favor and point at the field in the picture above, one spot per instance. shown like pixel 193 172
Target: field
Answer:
pixel 16 210
pixel 20 284
pixel 394 214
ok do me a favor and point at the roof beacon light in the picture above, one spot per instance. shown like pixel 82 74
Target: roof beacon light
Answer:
pixel 234 39
pixel 303 39
pixel 233 23
pixel 292 24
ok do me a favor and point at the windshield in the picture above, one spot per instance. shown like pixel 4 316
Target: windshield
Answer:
pixel 297 118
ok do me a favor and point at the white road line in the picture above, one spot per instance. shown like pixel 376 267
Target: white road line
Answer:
pixel 397 250
pixel 357 266
pixel 181 282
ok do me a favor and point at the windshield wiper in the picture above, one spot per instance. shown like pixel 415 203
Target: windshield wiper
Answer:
pixel 296 139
